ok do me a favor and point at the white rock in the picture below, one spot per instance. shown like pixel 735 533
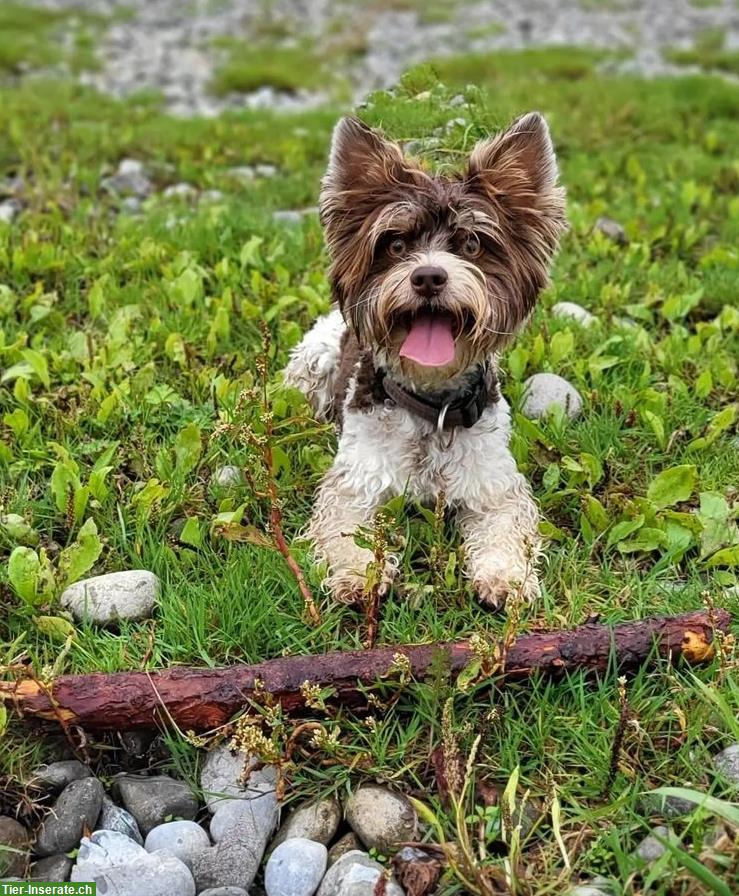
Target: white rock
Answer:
pixel 650 849
pixel 182 838
pixel 727 762
pixel 152 874
pixel 228 476
pixel 544 391
pixel 106 849
pixel 181 190
pixel 246 820
pixel 295 868
pixel 573 311
pixel 9 209
pixel 242 172
pixel 211 195
pixel 356 874
pixel 317 821
pixel 381 818
pixel 130 594
pixel 221 775
pixel 265 170
pixel 130 166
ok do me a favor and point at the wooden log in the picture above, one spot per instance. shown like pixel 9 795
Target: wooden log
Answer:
pixel 200 699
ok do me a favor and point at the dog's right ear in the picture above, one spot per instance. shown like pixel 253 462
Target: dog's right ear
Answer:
pixel 361 160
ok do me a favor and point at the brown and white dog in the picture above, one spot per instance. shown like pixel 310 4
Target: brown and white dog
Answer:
pixel 432 276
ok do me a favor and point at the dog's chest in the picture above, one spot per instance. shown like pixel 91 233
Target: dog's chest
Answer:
pixel 391 450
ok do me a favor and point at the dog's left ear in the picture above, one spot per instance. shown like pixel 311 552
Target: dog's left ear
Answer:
pixel 516 165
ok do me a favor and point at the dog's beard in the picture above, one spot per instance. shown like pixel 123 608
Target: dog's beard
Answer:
pixel 457 323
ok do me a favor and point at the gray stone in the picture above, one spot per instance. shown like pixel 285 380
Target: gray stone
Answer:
pixel 180 191
pixel 56 776
pixel 228 476
pixel 52 868
pixel 242 172
pixel 131 205
pixel 348 843
pixel 317 821
pixel 182 838
pixel 246 820
pixel 13 847
pixel 543 392
pixel 573 311
pixel 226 865
pixel 121 867
pixel 727 763
pixel 114 818
pixel 129 594
pixel 356 874
pixel 265 170
pixel 129 180
pixel 224 891
pixel 76 808
pixel 650 849
pixel 222 772
pixel 152 801
pixel 668 806
pixel 9 208
pixel 295 868
pixel 212 196
pixel 288 216
pixel 457 100
pixel 381 818
pixel 612 230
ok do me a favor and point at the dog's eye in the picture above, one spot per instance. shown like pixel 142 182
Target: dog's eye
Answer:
pixel 396 247
pixel 471 247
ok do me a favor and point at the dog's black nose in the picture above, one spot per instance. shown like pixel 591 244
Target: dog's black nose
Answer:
pixel 428 280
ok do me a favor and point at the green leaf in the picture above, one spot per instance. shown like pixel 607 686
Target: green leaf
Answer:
pixel 561 346
pixel 595 512
pixel 469 674
pixel 624 528
pixel 725 557
pixel 728 811
pixel 17 530
pixel 55 627
pixel 24 570
pixel 646 540
pixel 187 448
pixel 82 554
pixel 37 362
pixel 64 482
pixel 3 719
pixel 190 533
pixel 672 486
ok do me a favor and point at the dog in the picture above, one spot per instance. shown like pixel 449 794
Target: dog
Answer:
pixel 431 276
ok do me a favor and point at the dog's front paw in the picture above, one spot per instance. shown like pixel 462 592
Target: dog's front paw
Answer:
pixel 494 592
pixel 351 589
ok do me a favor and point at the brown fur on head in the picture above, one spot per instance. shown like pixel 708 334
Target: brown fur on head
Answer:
pixel 493 229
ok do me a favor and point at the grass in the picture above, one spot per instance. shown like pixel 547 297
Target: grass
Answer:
pixel 708 52
pixel 250 66
pixel 127 341
pixel 32 37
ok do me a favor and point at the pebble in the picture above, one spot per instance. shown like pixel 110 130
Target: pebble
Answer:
pixel 348 843
pixel 650 849
pixel 457 100
pixel 226 865
pixel 212 195
pixel 130 179
pixel 295 868
pixel 246 820
pixel 114 818
pixel 9 208
pixel 181 191
pixel 76 808
pixel 155 799
pixel 317 821
pixel 544 391
pixel 13 847
pixel 668 806
pixel 265 170
pixel 573 311
pixel 727 763
pixel 242 172
pixel 288 215
pixel 228 476
pixel 612 230
pixel 52 868
pixel 121 867
pixel 221 775
pixel 56 776
pixel 381 818
pixel 182 838
pixel 356 874
pixel 132 205
pixel 129 594
pixel 224 891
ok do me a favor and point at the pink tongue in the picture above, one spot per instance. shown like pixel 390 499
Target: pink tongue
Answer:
pixel 430 341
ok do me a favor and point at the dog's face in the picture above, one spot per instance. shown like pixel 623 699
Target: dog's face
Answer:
pixel 436 273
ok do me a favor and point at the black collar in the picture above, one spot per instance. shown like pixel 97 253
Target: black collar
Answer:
pixel 463 408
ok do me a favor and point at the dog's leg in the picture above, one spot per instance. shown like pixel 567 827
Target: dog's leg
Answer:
pixel 314 364
pixel 502 545
pixel 341 508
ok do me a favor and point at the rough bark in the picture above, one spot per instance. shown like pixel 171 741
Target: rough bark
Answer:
pixel 200 699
